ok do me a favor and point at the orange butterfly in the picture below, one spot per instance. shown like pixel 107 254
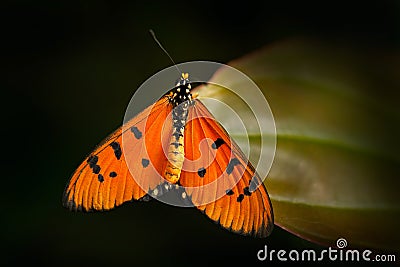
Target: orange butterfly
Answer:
pixel 175 145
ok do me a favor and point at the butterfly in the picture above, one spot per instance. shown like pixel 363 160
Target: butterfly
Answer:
pixel 174 145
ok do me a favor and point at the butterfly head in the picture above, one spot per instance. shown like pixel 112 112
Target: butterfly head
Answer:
pixel 184 79
pixel 181 92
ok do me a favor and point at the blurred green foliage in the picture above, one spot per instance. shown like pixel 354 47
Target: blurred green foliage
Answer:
pixel 335 172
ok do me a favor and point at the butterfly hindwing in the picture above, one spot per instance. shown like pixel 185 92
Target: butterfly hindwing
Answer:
pixel 233 200
pixel 103 180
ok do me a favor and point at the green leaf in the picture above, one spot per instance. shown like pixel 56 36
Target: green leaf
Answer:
pixel 336 168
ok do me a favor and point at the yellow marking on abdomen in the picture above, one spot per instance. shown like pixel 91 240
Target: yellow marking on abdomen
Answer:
pixel 176 156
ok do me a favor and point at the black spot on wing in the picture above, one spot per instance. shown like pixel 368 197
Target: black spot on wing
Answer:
pixel 145 162
pixel 113 174
pixel 232 163
pixel 92 161
pixel 201 172
pixel 254 183
pixel 136 132
pixel 229 192
pixel 96 169
pixel 217 143
pixel 117 149
pixel 246 191
pixel 100 178
pixel 240 198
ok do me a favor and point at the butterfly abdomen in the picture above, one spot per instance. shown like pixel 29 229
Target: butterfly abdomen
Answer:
pixel 181 99
pixel 176 154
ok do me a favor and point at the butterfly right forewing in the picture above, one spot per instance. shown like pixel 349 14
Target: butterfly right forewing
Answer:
pixel 226 186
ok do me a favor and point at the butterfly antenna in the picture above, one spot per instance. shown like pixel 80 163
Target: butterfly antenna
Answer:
pixel 163 49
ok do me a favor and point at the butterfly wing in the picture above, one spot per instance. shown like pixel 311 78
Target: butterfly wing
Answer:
pixel 104 181
pixel 220 180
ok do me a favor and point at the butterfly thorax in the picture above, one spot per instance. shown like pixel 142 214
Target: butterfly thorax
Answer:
pixel 181 99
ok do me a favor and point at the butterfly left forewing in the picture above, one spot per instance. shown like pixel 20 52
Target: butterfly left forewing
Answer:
pixel 103 180
pixel 223 184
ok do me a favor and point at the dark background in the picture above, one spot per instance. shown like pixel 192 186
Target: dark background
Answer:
pixel 70 70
